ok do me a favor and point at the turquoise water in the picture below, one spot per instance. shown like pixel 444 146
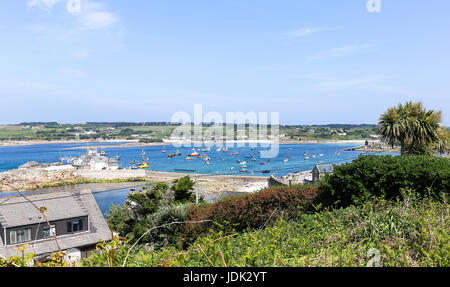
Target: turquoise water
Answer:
pixel 107 194
pixel 221 163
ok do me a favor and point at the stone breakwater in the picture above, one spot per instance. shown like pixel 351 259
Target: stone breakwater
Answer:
pixel 32 178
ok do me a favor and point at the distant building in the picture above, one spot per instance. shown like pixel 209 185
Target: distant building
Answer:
pixel 93 160
pixel 320 170
pixel 308 180
pixel 74 218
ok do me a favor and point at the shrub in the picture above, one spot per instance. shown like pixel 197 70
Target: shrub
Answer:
pixel 250 211
pixel 385 177
pixel 171 235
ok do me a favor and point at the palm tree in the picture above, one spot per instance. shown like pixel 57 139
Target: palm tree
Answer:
pixel 412 127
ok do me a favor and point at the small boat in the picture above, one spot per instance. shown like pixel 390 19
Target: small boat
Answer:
pixel 253 159
pixel 225 149
pixel 238 161
pixel 235 153
pixel 143 165
pixel 321 154
pixel 304 153
pixel 117 156
pixel 133 162
pixel 286 160
pixel 262 163
pixel 219 149
pixel 313 156
pixel 266 171
pixel 189 158
pixel 170 155
pixel 338 153
pixel 232 168
pixel 243 163
pixel 103 153
pixel 207 162
pixel 243 169
pixel 248 156
pixel 290 148
pixel 194 154
pixel 177 153
pixel 306 158
pixel 163 151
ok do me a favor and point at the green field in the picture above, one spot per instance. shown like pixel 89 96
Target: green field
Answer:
pixel 157 132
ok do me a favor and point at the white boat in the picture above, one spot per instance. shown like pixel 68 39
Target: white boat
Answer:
pixel 243 163
pixel 286 160
pixel 306 158
pixel 219 149
pixel 314 156
pixel 321 154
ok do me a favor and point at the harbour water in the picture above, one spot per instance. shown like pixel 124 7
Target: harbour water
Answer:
pixel 11 157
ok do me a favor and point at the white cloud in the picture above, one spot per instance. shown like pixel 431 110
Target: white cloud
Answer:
pixel 95 16
pixel 342 51
pixel 42 4
pixel 91 15
pixel 301 32
pixel 95 20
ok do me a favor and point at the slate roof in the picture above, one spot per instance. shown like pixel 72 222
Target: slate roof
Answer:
pixel 19 212
pixel 325 168
pixel 59 205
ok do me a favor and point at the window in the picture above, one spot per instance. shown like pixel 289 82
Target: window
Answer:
pixel 49 231
pixel 75 226
pixel 20 235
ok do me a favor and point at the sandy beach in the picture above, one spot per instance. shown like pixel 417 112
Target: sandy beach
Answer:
pixel 32 178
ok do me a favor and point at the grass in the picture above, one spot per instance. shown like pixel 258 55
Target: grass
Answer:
pixel 408 233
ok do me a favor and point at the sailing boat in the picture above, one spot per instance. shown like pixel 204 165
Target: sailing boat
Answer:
pixel 144 163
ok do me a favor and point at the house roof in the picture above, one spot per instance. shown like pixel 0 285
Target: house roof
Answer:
pixel 74 204
pixel 325 168
pixel 20 212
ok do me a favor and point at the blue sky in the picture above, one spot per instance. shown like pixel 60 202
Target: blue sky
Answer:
pixel 313 61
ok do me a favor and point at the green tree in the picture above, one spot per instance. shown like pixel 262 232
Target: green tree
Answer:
pixel 147 201
pixel 183 188
pixel 412 127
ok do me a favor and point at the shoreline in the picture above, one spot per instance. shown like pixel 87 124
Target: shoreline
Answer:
pixel 136 143
pixel 34 179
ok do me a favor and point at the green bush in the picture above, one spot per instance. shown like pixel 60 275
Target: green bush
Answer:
pixel 407 233
pixel 165 234
pixel 385 177
pixel 255 210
